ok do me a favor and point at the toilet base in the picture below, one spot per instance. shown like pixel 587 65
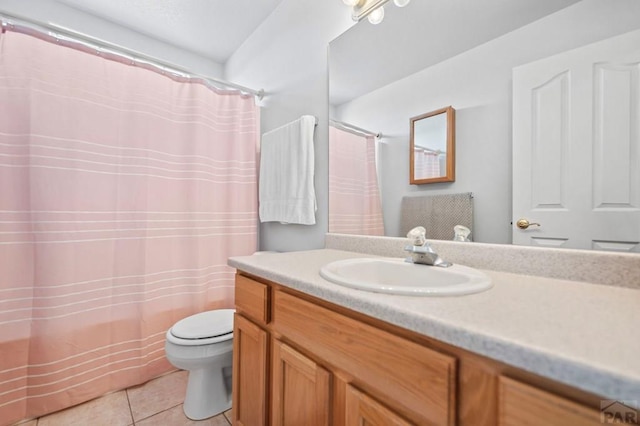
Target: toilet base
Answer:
pixel 209 390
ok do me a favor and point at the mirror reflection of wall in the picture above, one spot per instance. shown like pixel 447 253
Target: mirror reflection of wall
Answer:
pixel 468 54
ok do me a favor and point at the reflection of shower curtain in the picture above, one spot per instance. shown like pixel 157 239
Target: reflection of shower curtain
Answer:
pixel 122 193
pixel 427 164
pixel 354 197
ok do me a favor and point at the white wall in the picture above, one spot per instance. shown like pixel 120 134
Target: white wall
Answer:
pixel 48 11
pixel 477 84
pixel 287 56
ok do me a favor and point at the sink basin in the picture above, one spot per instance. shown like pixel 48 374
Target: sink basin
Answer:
pixel 395 276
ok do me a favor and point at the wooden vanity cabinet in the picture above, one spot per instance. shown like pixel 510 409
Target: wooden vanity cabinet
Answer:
pixel 411 379
pixel 250 353
pixel 299 360
pixel 522 405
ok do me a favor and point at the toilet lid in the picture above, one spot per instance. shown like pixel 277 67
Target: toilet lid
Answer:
pixel 205 325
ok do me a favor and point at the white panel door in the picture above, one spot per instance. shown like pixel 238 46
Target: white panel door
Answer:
pixel 576 148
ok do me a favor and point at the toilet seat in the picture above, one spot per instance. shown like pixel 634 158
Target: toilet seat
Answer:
pixel 204 328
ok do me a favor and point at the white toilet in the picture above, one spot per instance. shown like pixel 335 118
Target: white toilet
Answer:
pixel 203 345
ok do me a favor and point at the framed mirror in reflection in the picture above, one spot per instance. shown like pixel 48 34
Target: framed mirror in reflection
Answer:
pixel 432 147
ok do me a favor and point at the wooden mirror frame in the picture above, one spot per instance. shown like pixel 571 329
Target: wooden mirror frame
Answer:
pixel 450 172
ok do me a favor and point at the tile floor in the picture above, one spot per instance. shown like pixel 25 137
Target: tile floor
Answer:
pixel 155 403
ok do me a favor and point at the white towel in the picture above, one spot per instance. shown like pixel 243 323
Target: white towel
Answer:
pixel 286 190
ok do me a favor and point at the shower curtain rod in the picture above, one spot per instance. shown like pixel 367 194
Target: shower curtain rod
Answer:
pixel 433 151
pixel 68 37
pixel 354 129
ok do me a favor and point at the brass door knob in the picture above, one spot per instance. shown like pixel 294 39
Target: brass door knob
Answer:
pixel 524 224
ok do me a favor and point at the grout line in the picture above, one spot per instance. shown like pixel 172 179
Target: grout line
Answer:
pixel 161 411
pixel 133 421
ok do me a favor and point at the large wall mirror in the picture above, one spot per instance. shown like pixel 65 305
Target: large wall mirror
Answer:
pixel 432 143
pixel 435 53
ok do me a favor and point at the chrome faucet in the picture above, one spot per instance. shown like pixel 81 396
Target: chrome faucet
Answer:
pixel 421 251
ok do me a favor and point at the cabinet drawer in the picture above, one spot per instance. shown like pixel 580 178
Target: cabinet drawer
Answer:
pixel 419 381
pixel 520 404
pixel 252 299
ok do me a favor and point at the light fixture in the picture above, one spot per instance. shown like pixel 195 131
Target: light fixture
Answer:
pixel 373 9
pixel 376 16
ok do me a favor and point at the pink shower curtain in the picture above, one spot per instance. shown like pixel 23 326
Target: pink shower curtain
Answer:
pixel 122 194
pixel 427 164
pixel 354 196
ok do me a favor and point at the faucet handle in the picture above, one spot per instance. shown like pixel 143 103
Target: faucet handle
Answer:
pixel 417 236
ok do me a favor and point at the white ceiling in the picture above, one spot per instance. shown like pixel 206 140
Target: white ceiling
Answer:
pixel 213 29
pixel 434 29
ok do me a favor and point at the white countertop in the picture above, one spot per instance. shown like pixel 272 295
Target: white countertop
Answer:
pixel 584 335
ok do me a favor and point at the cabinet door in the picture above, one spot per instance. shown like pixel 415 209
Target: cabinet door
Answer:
pixel 576 147
pixel 300 389
pixel 524 405
pixel 249 373
pixel 362 410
